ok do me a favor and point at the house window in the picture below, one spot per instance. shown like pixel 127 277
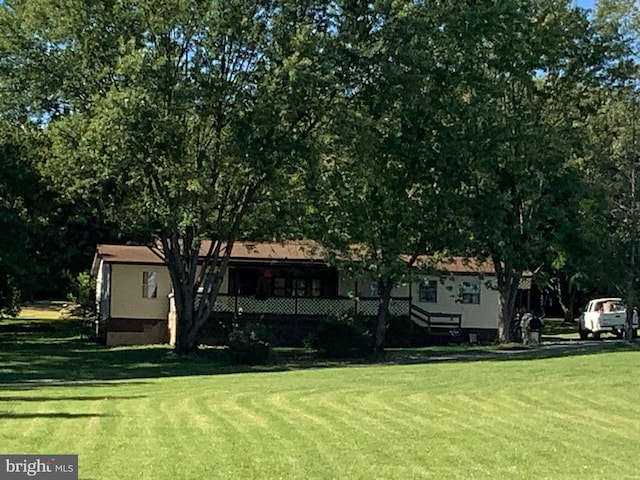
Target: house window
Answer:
pixel 149 284
pixel 279 287
pixel 428 291
pixel 316 287
pixel 470 291
pixel 299 287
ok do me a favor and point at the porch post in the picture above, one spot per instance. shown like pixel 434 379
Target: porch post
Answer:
pixel 356 295
pixel 234 284
pixel 410 296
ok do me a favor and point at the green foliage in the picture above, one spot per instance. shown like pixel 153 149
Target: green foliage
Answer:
pixel 248 345
pixel 174 120
pixel 341 337
pixel 381 198
pixel 9 295
pixel 400 331
pixel 83 294
pixel 22 214
pixel 83 304
pixel 523 129
pixel 404 127
pixel 612 166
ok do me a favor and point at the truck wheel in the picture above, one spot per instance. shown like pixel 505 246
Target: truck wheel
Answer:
pixel 596 335
pixel 583 333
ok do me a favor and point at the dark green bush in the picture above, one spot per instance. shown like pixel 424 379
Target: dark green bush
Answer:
pixel 400 332
pixel 248 345
pixel 340 337
pixel 216 329
pixel 82 305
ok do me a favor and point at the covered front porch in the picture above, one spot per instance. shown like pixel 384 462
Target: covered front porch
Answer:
pixel 291 298
pixel 291 319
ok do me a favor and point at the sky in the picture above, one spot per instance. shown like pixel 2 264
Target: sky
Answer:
pixel 584 3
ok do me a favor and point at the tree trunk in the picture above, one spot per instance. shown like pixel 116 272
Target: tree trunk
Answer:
pixel 508 290
pixel 567 307
pixel 187 334
pixel 566 296
pixel 187 338
pixel 508 280
pixel 631 303
pixel 505 315
pixel 385 287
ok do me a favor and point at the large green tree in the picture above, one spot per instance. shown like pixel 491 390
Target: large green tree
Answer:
pixel 616 170
pixel 520 136
pixel 588 251
pixel 615 163
pixel 22 205
pixel 390 190
pixel 176 118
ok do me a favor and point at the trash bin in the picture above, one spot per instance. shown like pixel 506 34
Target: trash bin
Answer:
pixel 535 327
pixel 534 337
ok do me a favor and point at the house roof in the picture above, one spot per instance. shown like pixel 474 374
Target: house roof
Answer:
pixel 133 254
pixel 457 265
pixel 291 251
pixel 261 252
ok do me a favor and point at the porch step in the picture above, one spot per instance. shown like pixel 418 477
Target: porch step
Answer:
pixel 435 321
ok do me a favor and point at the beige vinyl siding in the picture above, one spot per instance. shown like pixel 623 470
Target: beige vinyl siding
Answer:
pixel 402 290
pixel 103 295
pixel 126 292
pixel 100 283
pixel 126 295
pixel 367 286
pixel 346 286
pixel 482 315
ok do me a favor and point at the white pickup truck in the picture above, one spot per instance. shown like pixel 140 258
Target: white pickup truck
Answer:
pixel 605 315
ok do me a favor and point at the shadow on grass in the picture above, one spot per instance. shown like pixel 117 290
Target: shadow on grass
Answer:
pixel 89 398
pixel 20 416
pixel 521 353
pixel 18 385
pixel 56 358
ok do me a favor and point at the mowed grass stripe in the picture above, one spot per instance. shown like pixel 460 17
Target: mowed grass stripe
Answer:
pixel 288 450
pixel 556 432
pixel 406 455
pixel 354 429
pixel 411 439
pixel 475 439
pixel 306 438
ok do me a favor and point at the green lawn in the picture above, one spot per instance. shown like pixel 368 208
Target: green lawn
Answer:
pixel 140 413
pixel 42 311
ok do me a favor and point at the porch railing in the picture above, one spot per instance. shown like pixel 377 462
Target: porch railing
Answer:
pixel 244 304
pixel 315 307
pixel 431 320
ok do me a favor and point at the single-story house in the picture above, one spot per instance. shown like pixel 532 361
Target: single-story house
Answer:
pixel 286 281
